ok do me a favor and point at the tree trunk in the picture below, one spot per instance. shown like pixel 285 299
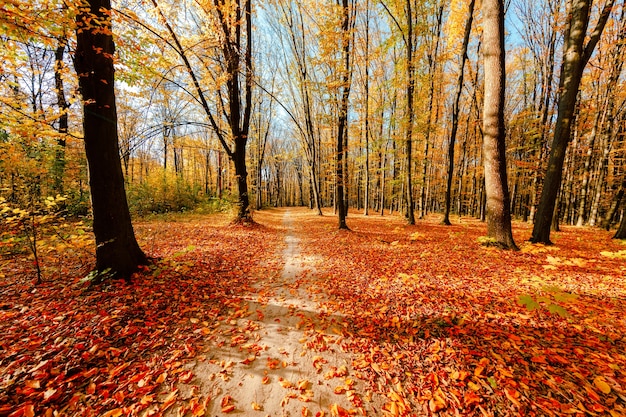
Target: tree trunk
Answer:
pixel 410 214
pixel 621 231
pixel 455 112
pixel 116 247
pixel 342 127
pixel 614 207
pixel 366 197
pixel 58 169
pixel 575 58
pixel 496 187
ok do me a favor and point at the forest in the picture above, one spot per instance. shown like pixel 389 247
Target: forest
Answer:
pixel 251 171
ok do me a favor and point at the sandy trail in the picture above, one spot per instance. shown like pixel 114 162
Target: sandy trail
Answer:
pixel 283 356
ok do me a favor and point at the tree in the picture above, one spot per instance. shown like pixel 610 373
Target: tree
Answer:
pixel 455 111
pixel 410 90
pixel 117 250
pixel 233 22
pixel 575 57
pixel 498 200
pixel 347 23
pixel 63 108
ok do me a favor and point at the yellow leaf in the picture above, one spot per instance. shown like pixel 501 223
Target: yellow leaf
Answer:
pixel 169 400
pixel 146 399
pixel 436 404
pixel 601 384
pixel 256 407
pixel 473 386
pixel 285 383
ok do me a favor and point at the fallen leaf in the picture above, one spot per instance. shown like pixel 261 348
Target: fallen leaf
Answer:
pixel 601 384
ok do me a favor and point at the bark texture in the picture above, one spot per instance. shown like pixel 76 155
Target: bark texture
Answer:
pixel 498 199
pixel 117 249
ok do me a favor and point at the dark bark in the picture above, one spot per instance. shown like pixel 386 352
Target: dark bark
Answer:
pixel 342 127
pixel 58 169
pixel 116 247
pixel 621 230
pixel 575 57
pixel 498 200
pixel 615 204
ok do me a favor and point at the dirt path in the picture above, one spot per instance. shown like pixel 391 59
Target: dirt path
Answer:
pixel 283 356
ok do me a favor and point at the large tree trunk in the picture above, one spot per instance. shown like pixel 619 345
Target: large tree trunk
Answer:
pixel 455 114
pixel 575 58
pixel 498 200
pixel 410 213
pixel 116 247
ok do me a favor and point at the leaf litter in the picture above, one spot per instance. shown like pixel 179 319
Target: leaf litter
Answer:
pixel 386 319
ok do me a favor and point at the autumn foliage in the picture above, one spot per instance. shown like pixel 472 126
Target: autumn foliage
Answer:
pixel 435 323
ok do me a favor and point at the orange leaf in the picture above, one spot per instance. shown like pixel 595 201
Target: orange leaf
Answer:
pixel 601 384
pixel 337 411
pixel 225 400
pixel 339 390
pixel 513 396
pixel 33 384
pixel 161 378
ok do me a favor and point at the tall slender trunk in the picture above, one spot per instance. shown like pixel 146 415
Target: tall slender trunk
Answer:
pixel 58 169
pixel 410 88
pixel 342 126
pixel 455 111
pixel 366 197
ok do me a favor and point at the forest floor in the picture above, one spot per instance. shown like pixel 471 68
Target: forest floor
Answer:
pixel 292 317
